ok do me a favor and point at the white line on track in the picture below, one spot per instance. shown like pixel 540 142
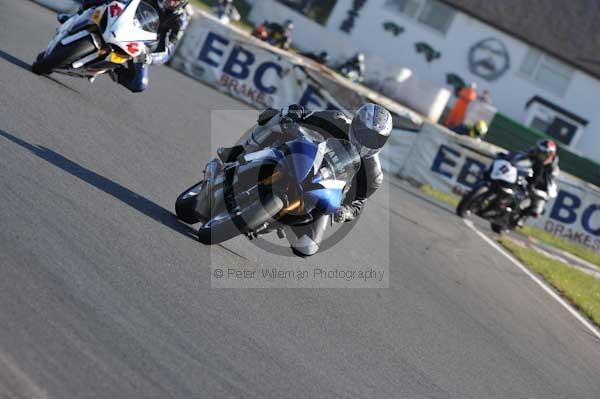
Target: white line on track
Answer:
pixel 535 278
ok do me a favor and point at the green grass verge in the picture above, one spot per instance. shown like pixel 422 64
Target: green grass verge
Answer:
pixel 548 238
pixel 580 288
pixel 450 199
pixel 560 243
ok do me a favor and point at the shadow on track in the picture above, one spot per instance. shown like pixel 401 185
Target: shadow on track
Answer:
pixel 22 64
pixel 123 194
pixel 15 61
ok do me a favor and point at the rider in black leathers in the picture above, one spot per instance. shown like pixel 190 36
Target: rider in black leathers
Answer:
pixel 280 35
pixel 368 131
pixel 354 68
pixel 543 183
pixel 174 20
pixel 225 9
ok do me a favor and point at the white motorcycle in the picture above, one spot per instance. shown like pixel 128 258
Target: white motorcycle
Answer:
pixel 100 39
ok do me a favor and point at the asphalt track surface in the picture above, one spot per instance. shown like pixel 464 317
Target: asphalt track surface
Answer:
pixel 103 294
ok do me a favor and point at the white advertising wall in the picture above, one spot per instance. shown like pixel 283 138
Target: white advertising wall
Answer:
pixel 261 75
pixel 244 68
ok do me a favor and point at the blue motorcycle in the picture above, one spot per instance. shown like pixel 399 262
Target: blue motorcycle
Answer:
pixel 288 183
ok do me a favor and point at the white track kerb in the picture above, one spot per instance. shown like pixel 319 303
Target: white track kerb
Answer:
pixel 539 282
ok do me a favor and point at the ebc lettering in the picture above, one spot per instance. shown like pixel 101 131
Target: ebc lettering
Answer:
pixel 239 63
pixel 312 99
pixel 210 48
pixel 565 210
pixel 259 76
pixel 442 159
pixel 470 172
pixel 586 219
pixel 564 207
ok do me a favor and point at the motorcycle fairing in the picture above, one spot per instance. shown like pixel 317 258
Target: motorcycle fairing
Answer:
pixel 504 170
pixel 301 158
pixel 62 34
pixel 123 32
pixel 298 158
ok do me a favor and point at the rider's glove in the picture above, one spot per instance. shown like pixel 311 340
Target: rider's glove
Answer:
pixel 342 214
pixel 293 112
pixel 143 58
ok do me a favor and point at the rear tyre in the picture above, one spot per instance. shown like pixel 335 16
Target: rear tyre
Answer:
pixel 253 216
pixel 63 56
pixel 470 200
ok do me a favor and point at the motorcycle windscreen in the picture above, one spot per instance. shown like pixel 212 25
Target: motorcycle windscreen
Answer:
pixel 341 162
pixel 504 171
pixel 137 22
pixel 301 157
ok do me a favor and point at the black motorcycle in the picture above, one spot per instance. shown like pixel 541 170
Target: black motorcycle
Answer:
pixel 501 195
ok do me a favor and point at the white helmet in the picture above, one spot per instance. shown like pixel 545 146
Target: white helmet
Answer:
pixel 370 129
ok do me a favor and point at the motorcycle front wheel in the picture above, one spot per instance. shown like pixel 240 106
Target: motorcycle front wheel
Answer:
pixel 226 225
pixel 185 205
pixel 471 200
pixel 63 56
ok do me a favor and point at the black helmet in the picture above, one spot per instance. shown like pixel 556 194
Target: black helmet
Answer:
pixel 172 5
pixel 370 129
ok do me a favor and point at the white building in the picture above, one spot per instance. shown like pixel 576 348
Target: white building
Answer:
pixel 534 61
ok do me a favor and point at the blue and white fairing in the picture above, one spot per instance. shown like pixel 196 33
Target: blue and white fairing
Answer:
pixel 322 171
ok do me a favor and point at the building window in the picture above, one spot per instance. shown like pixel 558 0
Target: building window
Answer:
pixel 557 122
pixel 408 7
pixel 317 10
pixel 432 13
pixel 547 72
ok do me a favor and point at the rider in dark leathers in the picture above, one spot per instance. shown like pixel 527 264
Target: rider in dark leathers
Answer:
pixel 173 21
pixel 354 68
pixel 225 9
pixel 368 131
pixel 543 183
pixel 280 35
